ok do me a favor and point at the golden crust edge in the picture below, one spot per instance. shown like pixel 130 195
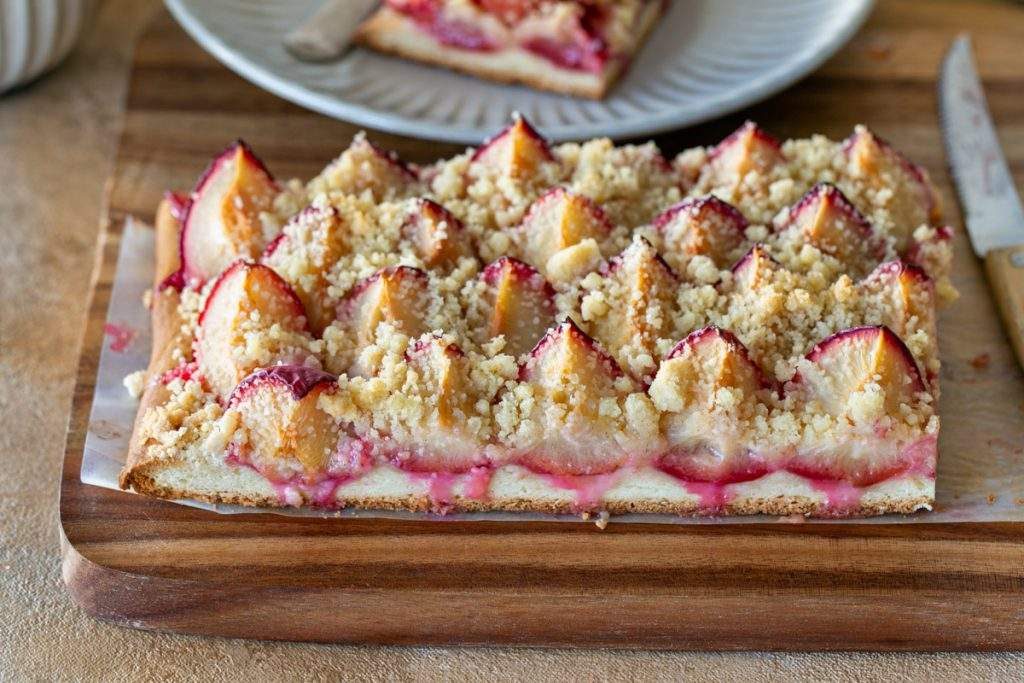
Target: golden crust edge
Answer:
pixel 167 337
pixel 779 506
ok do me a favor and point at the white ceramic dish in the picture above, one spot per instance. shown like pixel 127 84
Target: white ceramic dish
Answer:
pixel 35 35
pixel 706 58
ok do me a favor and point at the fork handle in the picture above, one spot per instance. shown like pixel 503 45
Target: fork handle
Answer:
pixel 326 35
pixel 1005 268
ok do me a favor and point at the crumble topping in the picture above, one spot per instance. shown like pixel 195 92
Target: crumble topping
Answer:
pixel 189 416
pixel 135 383
pixel 616 255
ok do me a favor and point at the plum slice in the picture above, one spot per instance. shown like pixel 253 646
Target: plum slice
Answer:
pixel 926 253
pixel 754 269
pixel 287 432
pixel 309 246
pixel 850 360
pixel 447 29
pixel 704 225
pixel 705 382
pixel 397 295
pixel 706 361
pixel 445 363
pixel 641 289
pixel 365 167
pixel 566 354
pixel 520 304
pixel 221 222
pixel 383 165
pixel 510 11
pixel 272 246
pixel 516 151
pixel 576 41
pixel 908 292
pixel 436 234
pixel 247 297
pixel 557 220
pixel 747 149
pixel 864 463
pixel 440 442
pixel 914 201
pixel 698 461
pixel 571 375
pixel 178 203
pixel 825 218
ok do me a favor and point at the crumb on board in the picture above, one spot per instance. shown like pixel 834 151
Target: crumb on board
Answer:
pixel 981 361
pixel 992 498
pixel 135 383
pixel 792 519
pixel 880 50
pixel 602 520
pixel 121 336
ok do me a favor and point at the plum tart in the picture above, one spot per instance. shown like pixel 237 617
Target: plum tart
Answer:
pixel 582 328
pixel 575 47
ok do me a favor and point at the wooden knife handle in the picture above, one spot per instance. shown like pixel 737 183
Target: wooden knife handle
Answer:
pixel 1005 269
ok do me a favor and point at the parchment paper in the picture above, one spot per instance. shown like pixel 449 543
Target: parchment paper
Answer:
pixel 988 489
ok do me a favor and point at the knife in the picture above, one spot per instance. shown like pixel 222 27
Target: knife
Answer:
pixel 328 32
pixel 992 209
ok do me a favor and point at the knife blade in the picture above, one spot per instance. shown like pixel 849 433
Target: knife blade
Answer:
pixel 992 209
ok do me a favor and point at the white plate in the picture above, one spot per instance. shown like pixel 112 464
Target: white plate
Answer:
pixel 706 58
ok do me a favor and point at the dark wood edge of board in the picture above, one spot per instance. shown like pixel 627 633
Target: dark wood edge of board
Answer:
pixel 711 618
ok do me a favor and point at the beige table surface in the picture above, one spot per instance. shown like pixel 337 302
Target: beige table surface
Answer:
pixel 57 140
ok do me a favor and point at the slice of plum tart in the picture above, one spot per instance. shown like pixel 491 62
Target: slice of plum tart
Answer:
pixel 747 328
pixel 575 47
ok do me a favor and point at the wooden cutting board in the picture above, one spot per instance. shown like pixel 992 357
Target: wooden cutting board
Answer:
pixel 151 564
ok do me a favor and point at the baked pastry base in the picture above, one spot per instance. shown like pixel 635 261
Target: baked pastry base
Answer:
pixel 515 489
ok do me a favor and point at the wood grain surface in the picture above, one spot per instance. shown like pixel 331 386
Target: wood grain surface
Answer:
pixel 150 564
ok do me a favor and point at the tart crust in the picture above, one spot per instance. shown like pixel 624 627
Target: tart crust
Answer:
pixel 168 336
